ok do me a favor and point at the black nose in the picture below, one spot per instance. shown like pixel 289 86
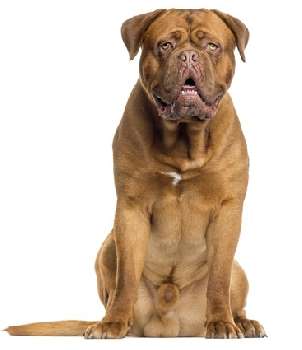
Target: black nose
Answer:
pixel 188 56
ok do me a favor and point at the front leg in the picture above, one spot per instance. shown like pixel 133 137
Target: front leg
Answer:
pixel 222 238
pixel 131 233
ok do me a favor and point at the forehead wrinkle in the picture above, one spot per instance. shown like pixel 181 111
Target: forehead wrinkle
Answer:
pixel 220 33
pixel 170 17
pixel 205 31
pixel 164 28
pixel 188 21
pixel 189 18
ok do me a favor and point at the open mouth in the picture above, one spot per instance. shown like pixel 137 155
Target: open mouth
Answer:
pixel 189 88
pixel 189 103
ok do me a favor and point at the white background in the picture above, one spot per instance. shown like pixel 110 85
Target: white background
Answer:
pixel 65 77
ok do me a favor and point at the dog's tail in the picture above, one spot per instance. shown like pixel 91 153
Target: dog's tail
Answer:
pixel 60 328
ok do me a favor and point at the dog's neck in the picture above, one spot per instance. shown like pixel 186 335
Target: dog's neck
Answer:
pixel 186 146
pixel 183 147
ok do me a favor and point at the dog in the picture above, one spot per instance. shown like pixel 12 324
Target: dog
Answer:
pixel 167 268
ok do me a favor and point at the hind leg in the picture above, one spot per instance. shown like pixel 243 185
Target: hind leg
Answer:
pixel 239 290
pixel 143 310
pixel 105 267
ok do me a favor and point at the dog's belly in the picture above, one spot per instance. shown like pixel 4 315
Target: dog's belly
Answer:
pixel 177 247
pixel 176 257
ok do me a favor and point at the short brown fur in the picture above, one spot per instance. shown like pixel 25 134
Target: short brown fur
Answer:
pixel 167 268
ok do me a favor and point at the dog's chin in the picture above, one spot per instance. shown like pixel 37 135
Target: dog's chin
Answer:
pixel 188 106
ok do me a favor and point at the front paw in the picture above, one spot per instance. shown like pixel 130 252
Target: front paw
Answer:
pixel 107 330
pixel 250 328
pixel 222 330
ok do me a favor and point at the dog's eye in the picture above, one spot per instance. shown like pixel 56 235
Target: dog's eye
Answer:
pixel 212 47
pixel 165 45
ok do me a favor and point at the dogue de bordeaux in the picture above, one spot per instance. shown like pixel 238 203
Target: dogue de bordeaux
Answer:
pixel 167 268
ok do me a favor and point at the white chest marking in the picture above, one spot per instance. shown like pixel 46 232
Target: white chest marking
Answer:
pixel 174 175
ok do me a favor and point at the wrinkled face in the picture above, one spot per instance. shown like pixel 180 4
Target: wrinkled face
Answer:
pixel 187 64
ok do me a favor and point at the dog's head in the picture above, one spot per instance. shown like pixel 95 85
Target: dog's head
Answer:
pixel 187 61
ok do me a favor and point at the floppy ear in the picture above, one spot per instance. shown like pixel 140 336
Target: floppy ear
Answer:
pixel 238 29
pixel 133 29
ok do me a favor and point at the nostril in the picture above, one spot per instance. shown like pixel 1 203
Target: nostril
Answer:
pixel 183 57
pixel 194 56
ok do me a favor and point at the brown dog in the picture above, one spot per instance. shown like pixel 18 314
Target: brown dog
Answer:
pixel 181 171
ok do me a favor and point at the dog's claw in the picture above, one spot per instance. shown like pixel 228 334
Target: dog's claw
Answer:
pixel 250 328
pixel 223 330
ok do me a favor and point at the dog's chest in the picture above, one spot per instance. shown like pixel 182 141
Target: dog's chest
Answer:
pixel 180 217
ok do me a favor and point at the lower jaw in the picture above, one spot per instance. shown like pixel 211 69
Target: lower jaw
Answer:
pixel 187 114
pixel 187 109
pixel 195 119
